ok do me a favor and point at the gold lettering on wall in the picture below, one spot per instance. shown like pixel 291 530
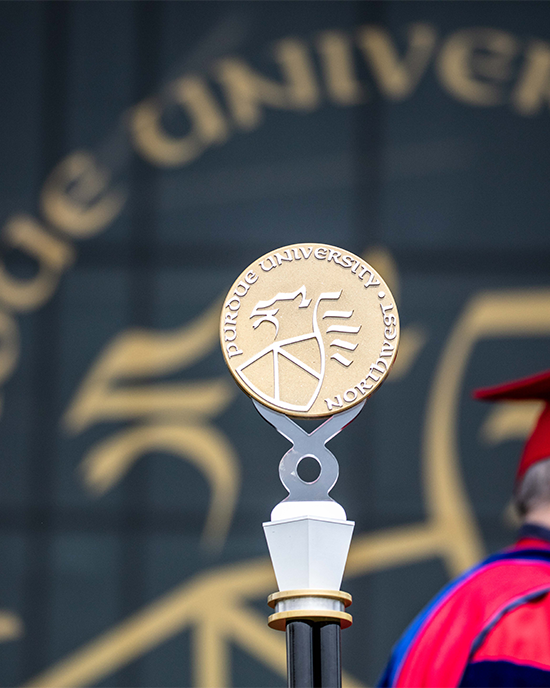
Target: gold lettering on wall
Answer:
pixel 11 626
pixel 9 344
pixel 413 337
pixel 336 52
pixel 532 90
pixel 53 255
pixel 294 57
pixel 76 197
pixel 247 91
pixel 215 606
pixel 475 64
pixel 207 124
pixel 397 77
pixel 175 416
pixel 510 420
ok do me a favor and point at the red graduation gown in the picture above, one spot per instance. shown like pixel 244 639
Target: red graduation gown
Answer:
pixel 489 627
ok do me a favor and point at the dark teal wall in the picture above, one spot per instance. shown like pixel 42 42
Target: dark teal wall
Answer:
pixel 448 181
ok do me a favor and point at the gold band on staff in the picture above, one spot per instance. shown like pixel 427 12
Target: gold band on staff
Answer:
pixel 279 620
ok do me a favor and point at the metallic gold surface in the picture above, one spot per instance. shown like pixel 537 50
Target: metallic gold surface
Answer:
pixel 278 621
pixel 275 597
pixel 309 330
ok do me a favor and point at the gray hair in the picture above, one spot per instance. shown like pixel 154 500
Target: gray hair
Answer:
pixel 534 489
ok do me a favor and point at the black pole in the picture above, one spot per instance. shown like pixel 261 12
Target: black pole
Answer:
pixel 327 656
pixel 313 654
pixel 299 654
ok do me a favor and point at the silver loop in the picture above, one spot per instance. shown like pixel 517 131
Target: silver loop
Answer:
pixel 308 445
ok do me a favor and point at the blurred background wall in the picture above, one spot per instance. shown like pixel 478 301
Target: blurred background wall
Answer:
pixel 149 152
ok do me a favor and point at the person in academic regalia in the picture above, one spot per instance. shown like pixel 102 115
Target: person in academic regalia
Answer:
pixel 491 626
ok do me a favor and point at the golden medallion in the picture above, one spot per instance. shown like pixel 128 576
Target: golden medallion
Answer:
pixel 309 330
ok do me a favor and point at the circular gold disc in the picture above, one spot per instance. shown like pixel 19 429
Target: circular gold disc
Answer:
pixel 309 330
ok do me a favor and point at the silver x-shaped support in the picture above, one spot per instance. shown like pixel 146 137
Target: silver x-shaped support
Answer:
pixel 308 445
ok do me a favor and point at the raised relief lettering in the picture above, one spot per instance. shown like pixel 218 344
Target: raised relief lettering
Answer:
pixel 372 281
pixel 363 387
pixel 233 350
pixel 312 349
pixel 372 376
pixel 355 266
pixel 381 362
pixel 268 265
pixel 241 289
pixel 230 331
pixel 350 395
pixel 337 403
pixel 280 257
pixel 387 350
pixel 376 367
pixel 320 253
pixel 234 304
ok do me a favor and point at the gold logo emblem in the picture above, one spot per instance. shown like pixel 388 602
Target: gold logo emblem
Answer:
pixel 309 330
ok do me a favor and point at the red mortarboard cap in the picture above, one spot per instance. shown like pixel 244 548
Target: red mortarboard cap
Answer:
pixel 536 387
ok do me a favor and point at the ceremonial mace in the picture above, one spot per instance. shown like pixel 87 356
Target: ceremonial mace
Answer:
pixel 309 331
